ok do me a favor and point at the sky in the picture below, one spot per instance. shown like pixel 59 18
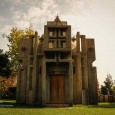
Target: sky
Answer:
pixel 93 18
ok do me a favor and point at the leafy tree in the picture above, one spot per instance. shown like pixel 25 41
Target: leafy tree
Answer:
pixel 103 90
pixel 113 88
pixel 14 37
pixel 5 84
pixel 108 84
pixel 4 64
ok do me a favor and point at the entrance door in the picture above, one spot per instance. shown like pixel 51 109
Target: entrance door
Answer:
pixel 57 90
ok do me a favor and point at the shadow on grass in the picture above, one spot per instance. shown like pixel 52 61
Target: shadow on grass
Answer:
pixel 13 104
pixel 103 105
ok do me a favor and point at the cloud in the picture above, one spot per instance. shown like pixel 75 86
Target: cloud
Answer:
pixel 14 2
pixel 38 12
pixel 17 15
pixel 5 29
pixel 22 24
pixel 3 20
pixel 38 16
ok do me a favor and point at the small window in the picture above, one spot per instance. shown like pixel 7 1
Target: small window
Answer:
pixel 51 44
pixel 61 33
pixel 51 33
pixel 23 49
pixel 64 33
pixel 50 55
pixel 63 44
pixel 20 60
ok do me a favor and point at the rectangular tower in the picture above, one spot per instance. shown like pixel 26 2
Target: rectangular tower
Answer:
pixel 57 70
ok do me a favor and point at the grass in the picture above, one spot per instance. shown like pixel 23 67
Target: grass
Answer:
pixel 8 107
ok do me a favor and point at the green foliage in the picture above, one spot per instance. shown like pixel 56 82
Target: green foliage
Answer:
pixel 108 84
pixel 103 90
pixel 6 83
pixel 4 64
pixel 14 39
pixel 113 88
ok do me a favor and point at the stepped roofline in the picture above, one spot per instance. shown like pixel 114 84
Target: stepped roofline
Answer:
pixel 57 21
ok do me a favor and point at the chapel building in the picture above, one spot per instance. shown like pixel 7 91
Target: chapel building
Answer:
pixel 51 72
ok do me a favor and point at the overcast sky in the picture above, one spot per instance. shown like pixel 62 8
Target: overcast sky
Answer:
pixel 94 18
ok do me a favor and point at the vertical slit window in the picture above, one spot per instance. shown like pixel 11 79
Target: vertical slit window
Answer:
pixel 30 78
pixel 80 45
pixel 73 70
pixel 31 61
pixel 40 70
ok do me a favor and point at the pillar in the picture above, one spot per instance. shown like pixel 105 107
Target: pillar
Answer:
pixel 94 86
pixel 71 82
pixel 85 96
pixel 35 68
pixel 18 87
pixel 78 93
pixel 31 44
pixel 43 82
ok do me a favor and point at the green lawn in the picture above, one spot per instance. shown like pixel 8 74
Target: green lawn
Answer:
pixel 8 107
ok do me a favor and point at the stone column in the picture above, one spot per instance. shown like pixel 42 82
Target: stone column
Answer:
pixel 35 67
pixel 94 86
pixel 78 93
pixel 85 96
pixel 18 87
pixel 89 84
pixel 78 42
pixel 22 86
pixel 43 82
pixel 71 82
pixel 31 45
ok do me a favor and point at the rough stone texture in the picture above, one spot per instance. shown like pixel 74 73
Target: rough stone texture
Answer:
pixel 51 72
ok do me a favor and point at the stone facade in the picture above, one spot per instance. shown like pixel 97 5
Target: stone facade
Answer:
pixel 51 72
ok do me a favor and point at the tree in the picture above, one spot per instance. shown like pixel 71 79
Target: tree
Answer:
pixel 5 84
pixel 4 64
pixel 108 84
pixel 4 68
pixel 103 90
pixel 113 88
pixel 14 37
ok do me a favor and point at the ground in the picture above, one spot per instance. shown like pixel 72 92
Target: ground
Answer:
pixel 8 107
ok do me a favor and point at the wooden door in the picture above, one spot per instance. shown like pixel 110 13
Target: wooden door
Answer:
pixel 57 89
